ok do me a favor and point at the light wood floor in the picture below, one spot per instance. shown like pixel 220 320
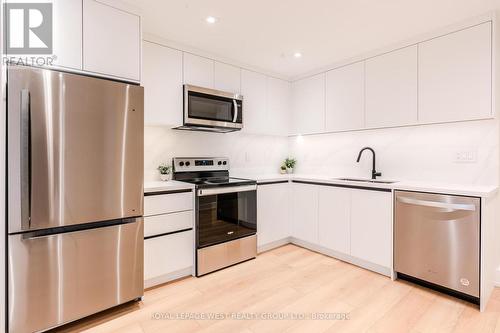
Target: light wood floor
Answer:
pixel 294 280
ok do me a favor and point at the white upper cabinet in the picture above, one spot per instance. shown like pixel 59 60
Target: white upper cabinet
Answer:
pixel 111 41
pixel 227 78
pixel 278 106
pixel 334 218
pixel 345 98
pixel 455 75
pixel 254 91
pixel 391 88
pixel 371 226
pixel 309 105
pixel 68 33
pixel 162 80
pixel 272 213
pixel 198 71
pixel 304 212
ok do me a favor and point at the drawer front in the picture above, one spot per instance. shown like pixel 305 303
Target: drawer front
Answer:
pixel 167 203
pixel 167 254
pixel 165 223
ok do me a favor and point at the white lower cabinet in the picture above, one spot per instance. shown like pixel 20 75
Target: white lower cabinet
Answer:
pixel 371 226
pixel 353 223
pixel 272 213
pixel 334 218
pixel 168 236
pixel 304 212
pixel 166 256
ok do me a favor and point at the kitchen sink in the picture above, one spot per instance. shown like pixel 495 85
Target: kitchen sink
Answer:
pixel 367 180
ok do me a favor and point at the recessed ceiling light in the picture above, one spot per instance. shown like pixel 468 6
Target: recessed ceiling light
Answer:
pixel 297 55
pixel 211 19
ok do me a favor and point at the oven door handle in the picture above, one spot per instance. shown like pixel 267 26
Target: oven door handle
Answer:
pixel 222 190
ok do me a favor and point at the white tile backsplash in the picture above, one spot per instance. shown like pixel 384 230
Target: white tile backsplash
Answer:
pixel 247 153
pixel 426 152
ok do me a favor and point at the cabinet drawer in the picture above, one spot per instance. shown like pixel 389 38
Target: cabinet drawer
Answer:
pixel 168 254
pixel 167 203
pixel 165 223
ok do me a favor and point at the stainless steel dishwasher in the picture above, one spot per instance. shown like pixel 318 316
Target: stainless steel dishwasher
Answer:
pixel 437 240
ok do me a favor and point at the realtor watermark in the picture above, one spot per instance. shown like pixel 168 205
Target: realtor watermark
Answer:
pixel 250 316
pixel 28 33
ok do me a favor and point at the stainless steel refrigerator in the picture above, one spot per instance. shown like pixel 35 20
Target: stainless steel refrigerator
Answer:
pixel 75 196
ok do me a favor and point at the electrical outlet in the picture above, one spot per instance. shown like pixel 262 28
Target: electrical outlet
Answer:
pixel 466 156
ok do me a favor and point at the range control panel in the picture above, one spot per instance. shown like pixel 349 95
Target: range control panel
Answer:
pixel 186 164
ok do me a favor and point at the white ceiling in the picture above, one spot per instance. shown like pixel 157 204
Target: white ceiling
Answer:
pixel 265 33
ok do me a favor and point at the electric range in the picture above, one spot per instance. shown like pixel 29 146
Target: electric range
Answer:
pixel 226 212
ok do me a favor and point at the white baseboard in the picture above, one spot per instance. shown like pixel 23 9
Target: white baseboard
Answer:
pixel 168 277
pixel 344 257
pixel 273 245
pixel 496 282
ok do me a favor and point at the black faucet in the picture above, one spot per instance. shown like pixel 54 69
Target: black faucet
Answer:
pixel 375 174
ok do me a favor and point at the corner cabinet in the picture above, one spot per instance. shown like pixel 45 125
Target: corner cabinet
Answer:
pixel 308 98
pixel 272 214
pixel 111 41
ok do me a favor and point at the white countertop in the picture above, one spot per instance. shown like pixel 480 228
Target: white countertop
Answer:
pixel 171 185
pixel 422 186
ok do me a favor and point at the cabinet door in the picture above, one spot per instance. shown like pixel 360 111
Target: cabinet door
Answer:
pixel 345 98
pixel 162 80
pixel 391 89
pixel 455 75
pixel 334 218
pixel 227 78
pixel 278 106
pixel 371 226
pixel 198 71
pixel 272 213
pixel 309 105
pixel 68 33
pixel 254 90
pixel 166 255
pixel 111 41
pixel 304 212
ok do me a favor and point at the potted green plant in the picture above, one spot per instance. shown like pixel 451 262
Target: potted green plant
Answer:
pixel 283 169
pixel 290 164
pixel 165 171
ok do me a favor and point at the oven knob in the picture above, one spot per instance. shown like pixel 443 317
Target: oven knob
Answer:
pixel 219 163
pixel 224 162
pixel 187 163
pixel 181 163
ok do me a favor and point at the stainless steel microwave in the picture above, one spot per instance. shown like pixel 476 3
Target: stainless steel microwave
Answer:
pixel 212 110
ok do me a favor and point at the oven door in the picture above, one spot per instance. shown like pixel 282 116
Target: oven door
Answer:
pixel 226 213
pixel 212 108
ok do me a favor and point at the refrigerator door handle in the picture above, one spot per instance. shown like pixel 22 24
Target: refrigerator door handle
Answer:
pixel 25 132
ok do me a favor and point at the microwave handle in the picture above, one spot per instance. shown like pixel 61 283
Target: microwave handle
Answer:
pixel 235 110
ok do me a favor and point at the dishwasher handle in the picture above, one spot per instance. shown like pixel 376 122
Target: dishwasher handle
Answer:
pixel 437 204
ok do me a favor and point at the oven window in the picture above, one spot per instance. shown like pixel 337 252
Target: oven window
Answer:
pixel 226 217
pixel 210 108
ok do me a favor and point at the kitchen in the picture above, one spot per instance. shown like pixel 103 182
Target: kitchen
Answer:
pixel 384 218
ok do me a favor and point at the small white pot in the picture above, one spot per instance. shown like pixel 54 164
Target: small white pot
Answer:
pixel 289 170
pixel 282 171
pixel 165 177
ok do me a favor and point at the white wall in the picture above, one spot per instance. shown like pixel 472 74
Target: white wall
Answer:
pixel 2 183
pixel 405 153
pixel 247 153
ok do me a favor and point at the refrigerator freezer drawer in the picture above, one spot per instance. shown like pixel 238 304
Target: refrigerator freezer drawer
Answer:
pixel 59 278
pixel 436 239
